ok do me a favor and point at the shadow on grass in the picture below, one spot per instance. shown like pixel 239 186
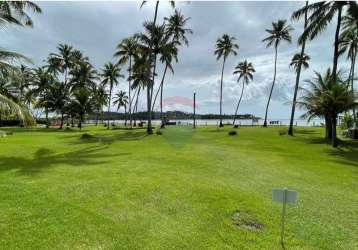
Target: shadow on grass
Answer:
pixel 45 158
pixel 130 135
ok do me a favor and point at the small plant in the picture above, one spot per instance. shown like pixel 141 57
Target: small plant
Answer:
pixel 159 132
pixel 282 132
pixel 231 133
pixel 236 126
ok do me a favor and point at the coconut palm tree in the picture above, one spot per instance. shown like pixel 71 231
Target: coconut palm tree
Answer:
pixel 110 74
pixel 100 99
pixel 321 14
pixel 300 60
pixel 127 49
pixel 14 12
pixel 280 32
pixel 225 46
pixel 298 74
pixel 83 75
pixel 58 99
pixel 121 100
pixel 327 96
pixel 172 4
pixel 153 42
pixel 245 71
pixel 82 103
pixel 63 59
pixel 176 29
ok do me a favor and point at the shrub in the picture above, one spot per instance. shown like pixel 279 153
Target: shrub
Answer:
pixel 159 132
pixel 231 133
pixel 86 136
pixel 236 126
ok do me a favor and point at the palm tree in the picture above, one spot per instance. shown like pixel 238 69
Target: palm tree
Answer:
pixel 298 74
pixel 64 59
pixel 58 98
pixel 245 71
pixel 126 50
pixel 82 103
pixel 327 96
pixel 298 62
pixel 175 28
pixel 225 46
pixel 110 74
pixel 42 81
pixel 83 75
pixel 321 14
pixel 100 99
pixel 14 12
pixel 153 42
pixel 121 100
pixel 172 4
pixel 280 32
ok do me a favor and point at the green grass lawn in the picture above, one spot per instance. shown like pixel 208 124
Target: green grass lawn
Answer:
pixel 121 189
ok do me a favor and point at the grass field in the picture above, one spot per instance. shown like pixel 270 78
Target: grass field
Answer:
pixel 185 189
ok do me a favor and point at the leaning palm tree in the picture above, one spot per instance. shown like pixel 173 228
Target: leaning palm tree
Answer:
pixel 121 100
pixel 298 67
pixel 280 32
pixel 321 14
pixel 225 46
pixel 110 74
pixel 127 49
pixel 172 4
pixel 245 71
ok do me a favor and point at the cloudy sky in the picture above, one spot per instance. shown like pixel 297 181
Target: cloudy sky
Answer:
pixel 96 28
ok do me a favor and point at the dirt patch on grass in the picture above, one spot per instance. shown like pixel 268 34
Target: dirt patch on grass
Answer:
pixel 246 220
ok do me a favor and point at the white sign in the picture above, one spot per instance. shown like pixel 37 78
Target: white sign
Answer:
pixel 284 195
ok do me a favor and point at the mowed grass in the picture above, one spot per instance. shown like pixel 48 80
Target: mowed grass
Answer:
pixel 121 189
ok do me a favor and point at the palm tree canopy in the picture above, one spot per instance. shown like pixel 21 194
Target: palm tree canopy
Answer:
pixel 225 46
pixel 14 12
pixel 280 32
pixel 111 73
pixel 83 75
pixel 175 27
pixel 245 70
pixel 120 99
pixel 297 59
pixel 127 48
pixel 326 96
pixel 321 14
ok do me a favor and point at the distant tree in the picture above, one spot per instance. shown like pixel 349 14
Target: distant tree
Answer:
pixel 225 46
pixel 82 103
pixel 280 32
pixel 121 100
pixel 100 98
pixel 110 75
pixel 245 71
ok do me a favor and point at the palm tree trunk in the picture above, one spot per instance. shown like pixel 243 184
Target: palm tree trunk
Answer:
pixel 156 12
pixel 125 115
pixel 149 98
pixel 221 92
pixel 80 121
pixel 109 104
pixel 352 83
pixel 61 125
pixel 328 125
pixel 334 132
pixel 161 92
pixel 273 84
pixel 336 42
pixel 136 106
pixel 46 115
pixel 290 129
pixel 238 104
pixel 129 91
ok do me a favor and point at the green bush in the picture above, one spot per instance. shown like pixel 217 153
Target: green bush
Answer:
pixel 231 133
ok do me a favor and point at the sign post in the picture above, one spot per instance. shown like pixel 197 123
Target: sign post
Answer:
pixel 284 196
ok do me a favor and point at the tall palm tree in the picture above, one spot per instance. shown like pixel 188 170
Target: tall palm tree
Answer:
pixel 126 50
pixel 225 46
pixel 321 14
pixel 58 99
pixel 110 74
pixel 327 96
pixel 245 71
pixel 121 100
pixel 172 4
pixel 83 75
pixel 14 12
pixel 175 28
pixel 153 42
pixel 298 74
pixel 280 32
